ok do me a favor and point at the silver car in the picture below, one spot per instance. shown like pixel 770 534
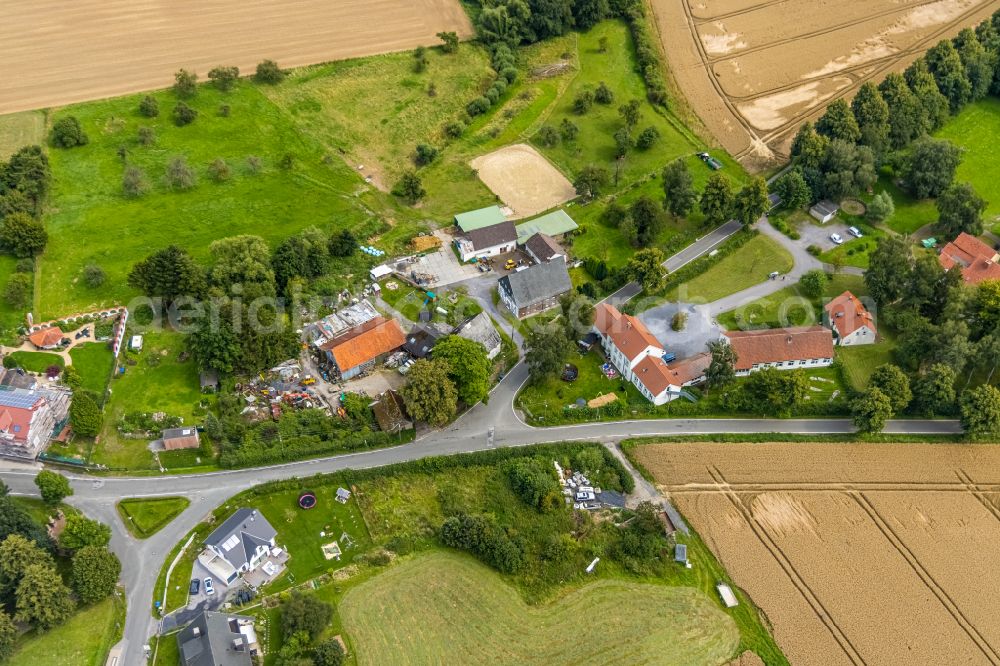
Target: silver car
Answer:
pixel 837 239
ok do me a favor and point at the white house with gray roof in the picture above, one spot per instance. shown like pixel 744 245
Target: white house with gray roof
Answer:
pixel 244 545
pixel 536 288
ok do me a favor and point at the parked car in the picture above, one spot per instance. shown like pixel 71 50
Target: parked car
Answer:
pixel 854 231
pixel 208 586
pixel 836 238
pixel 195 586
pixel 773 275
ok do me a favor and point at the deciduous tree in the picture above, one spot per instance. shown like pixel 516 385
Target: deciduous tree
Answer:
pixel 185 84
pixel 949 72
pixel 678 188
pixel 813 283
pixel 793 190
pixel 468 366
pixel 53 486
pixel 8 636
pixel 839 122
pixel 81 532
pixel 751 201
pixel 409 188
pixel 84 414
pixel 960 209
pixel 42 599
pixel 224 78
pixel 716 200
pixel 979 411
pixel 871 410
pixel 591 181
pixel 168 274
pixel 430 394
pixel 23 235
pixel 872 113
pixel 304 612
pixel 925 89
pixel 721 370
pixel 934 391
pixel 881 208
pixel 67 133
pixel 894 384
pixel 95 573
pixel 907 116
pixel 646 268
pixel 546 350
pixel 888 270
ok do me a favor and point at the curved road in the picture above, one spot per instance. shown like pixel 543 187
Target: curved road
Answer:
pixel 485 426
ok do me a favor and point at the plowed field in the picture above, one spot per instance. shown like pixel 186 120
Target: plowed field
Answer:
pixel 754 70
pixel 856 553
pixel 57 52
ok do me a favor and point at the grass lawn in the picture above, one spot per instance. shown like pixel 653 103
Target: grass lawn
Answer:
pixel 855 251
pixel 747 266
pixel 158 382
pixel 911 214
pixel 790 306
pixel 549 398
pixel 37 361
pixel 859 362
pixel 145 517
pixel 92 222
pixel 975 130
pixel 84 640
pixel 432 594
pixel 94 362
pixel 20 129
pixel 409 301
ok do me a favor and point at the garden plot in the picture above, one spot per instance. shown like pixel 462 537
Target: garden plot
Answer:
pixel 57 53
pixel 856 553
pixel 754 71
pixel 523 179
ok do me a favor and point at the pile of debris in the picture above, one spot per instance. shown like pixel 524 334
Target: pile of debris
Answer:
pixel 582 494
pixel 284 386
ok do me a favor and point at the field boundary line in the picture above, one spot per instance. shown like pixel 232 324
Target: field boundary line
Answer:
pixel 819 486
pixel 785 562
pixel 928 580
pixel 978 493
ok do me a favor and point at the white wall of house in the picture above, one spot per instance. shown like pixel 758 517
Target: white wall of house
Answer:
pixel 788 365
pixel 626 367
pixel 468 254
pixel 862 336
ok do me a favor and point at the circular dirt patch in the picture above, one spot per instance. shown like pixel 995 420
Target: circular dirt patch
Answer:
pixel 853 207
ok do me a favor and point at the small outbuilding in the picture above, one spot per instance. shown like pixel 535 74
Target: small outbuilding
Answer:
pixel 180 438
pixel 135 344
pixel 542 248
pixel 773 201
pixel 727 596
pixel 209 381
pixel 824 211
pixel 681 554
pixel 343 494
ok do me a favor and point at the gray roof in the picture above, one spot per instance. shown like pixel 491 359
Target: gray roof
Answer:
pixel 421 340
pixel 208 378
pixel 480 329
pixel 493 235
pixel 825 207
pixel 249 527
pixel 543 247
pixel 214 639
pixel 175 433
pixel 680 553
pixel 774 200
pixel 537 283
pixel 17 379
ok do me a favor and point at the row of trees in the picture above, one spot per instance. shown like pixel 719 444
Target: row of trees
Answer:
pixel 25 181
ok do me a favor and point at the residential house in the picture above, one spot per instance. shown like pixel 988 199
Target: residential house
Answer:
pixel 554 224
pixel 30 418
pixel 359 349
pixel 180 438
pixel 421 340
pixel 490 241
pixel 639 356
pixel 535 289
pixel 481 329
pixel 824 211
pixel 782 348
pixel 851 320
pixel 218 639
pixel 47 338
pixel 976 259
pixel 543 248
pixel 244 545
pixel 479 218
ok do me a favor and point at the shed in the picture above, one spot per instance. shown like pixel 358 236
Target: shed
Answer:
pixel 379 272
pixel 681 553
pixel 135 343
pixel 180 438
pixel 343 494
pixel 556 223
pixel 824 211
pixel 726 593
pixel 209 381
pixel 479 218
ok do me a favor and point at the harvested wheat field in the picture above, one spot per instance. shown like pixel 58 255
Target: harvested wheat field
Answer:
pixel 523 179
pixel 754 70
pixel 56 52
pixel 855 553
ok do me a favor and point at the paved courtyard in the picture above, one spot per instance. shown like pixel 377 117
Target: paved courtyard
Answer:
pixel 697 333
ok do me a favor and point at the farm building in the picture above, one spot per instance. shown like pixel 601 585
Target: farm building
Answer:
pixel 781 348
pixel 390 413
pixel 851 320
pixel 29 419
pixel 824 211
pixel 421 341
pixel 480 329
pixel 640 358
pixel 47 338
pixel 218 639
pixel 553 224
pixel 543 248
pixel 477 219
pixel 976 259
pixel 180 438
pixel 358 349
pixel 535 289
pixel 490 241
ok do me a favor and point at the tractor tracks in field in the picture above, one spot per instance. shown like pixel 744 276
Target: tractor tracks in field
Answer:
pixel 783 561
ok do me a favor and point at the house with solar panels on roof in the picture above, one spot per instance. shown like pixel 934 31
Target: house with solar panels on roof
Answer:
pixel 30 419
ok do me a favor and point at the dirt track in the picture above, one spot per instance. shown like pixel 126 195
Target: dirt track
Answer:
pixel 56 52
pixel 855 553
pixel 753 71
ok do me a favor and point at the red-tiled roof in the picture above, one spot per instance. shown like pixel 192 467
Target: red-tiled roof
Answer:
pixel 365 342
pixel 657 376
pixel 847 314
pixel 627 333
pixel 779 345
pixel 47 337
pixel 978 261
